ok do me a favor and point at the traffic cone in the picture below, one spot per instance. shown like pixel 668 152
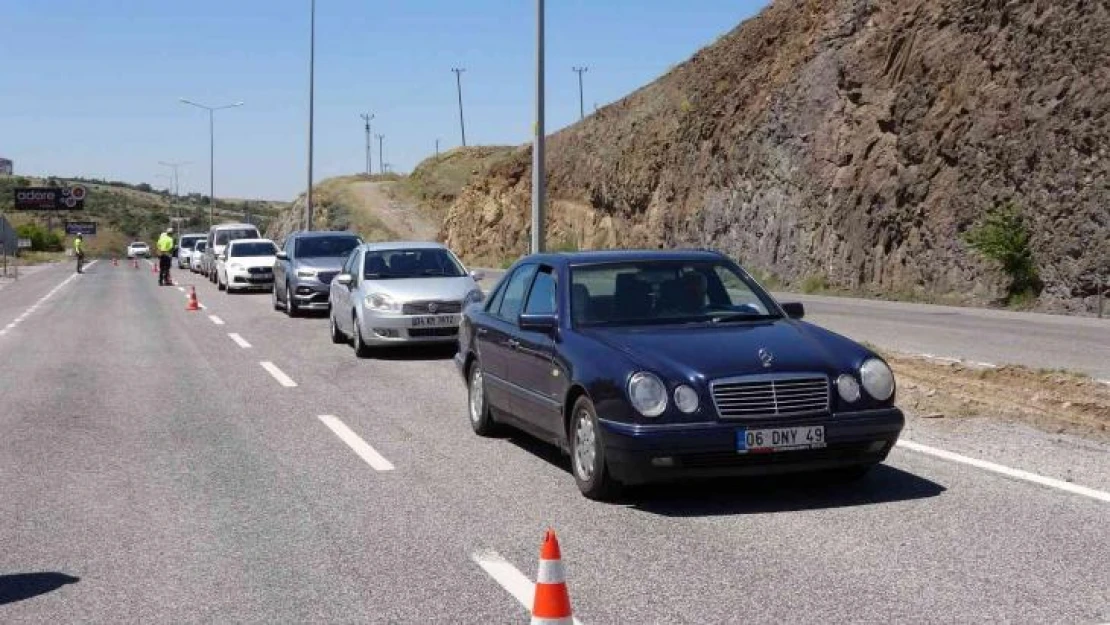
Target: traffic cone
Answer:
pixel 193 303
pixel 153 267
pixel 135 263
pixel 551 604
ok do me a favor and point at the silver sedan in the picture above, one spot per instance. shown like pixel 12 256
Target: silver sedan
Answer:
pixel 400 293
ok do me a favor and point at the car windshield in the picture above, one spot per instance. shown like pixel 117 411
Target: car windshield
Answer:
pixel 326 247
pixel 655 292
pixel 187 243
pixel 418 263
pixel 201 246
pixel 261 248
pixel 224 236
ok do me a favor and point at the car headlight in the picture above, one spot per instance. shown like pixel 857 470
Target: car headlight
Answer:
pixel 848 388
pixel 235 266
pixel 647 393
pixel 473 297
pixel 878 379
pixel 307 273
pixel 686 398
pixel 382 302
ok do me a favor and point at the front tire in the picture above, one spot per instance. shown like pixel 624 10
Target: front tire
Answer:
pixel 337 335
pixel 587 453
pixel 274 299
pixel 481 419
pixel 290 307
pixel 361 349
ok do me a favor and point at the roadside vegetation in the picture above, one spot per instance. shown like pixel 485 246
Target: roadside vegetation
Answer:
pixel 1002 235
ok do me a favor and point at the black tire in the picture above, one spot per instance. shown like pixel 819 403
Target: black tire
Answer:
pixel 290 308
pixel 481 419
pixel 274 299
pixel 597 484
pixel 337 335
pixel 220 285
pixel 362 350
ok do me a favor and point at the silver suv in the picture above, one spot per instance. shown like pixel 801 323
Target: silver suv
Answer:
pixel 305 266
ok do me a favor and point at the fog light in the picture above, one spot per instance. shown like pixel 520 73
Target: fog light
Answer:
pixel 388 333
pixel 876 446
pixel 664 461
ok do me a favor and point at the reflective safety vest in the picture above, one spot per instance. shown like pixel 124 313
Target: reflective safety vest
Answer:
pixel 165 243
pixel 78 246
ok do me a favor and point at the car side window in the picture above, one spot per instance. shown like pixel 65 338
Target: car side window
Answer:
pixel 541 299
pixel 513 300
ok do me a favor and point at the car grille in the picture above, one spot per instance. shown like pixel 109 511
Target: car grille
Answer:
pixel 326 276
pixel 425 308
pixel 432 332
pixel 256 270
pixel 768 396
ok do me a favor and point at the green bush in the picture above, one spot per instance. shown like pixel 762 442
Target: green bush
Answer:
pixel 1002 236
pixel 815 284
pixel 42 240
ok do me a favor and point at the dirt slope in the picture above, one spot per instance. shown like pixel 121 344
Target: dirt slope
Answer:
pixel 846 140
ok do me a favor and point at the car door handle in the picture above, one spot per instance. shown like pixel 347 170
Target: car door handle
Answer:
pixel 482 331
pixel 513 343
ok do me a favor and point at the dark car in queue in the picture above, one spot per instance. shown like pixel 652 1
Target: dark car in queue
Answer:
pixel 659 365
pixel 305 266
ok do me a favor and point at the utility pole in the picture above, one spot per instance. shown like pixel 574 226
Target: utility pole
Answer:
pixel 581 105
pixel 175 185
pixel 458 81
pixel 381 159
pixel 311 111
pixel 437 149
pixel 538 143
pixel 367 117
pixel 211 151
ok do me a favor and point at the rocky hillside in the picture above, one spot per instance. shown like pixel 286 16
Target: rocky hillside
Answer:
pixel 849 142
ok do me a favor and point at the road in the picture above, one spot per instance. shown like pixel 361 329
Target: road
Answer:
pixel 998 337
pixel 156 471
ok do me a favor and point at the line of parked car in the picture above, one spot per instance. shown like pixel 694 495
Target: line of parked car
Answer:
pixel 642 366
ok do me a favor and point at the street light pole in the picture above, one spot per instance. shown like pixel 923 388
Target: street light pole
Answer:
pixel 381 159
pixel 581 103
pixel 367 117
pixel 211 152
pixel 458 81
pixel 538 143
pixel 311 111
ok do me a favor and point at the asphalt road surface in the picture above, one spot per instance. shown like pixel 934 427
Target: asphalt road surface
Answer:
pixel 997 337
pixel 154 470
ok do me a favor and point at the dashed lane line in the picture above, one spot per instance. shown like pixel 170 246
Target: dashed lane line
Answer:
pixel 278 374
pixel 216 320
pixel 1007 471
pixel 355 442
pixel 240 341
pixel 508 577
pixel 18 320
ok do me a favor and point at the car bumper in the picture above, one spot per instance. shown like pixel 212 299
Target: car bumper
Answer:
pixel 245 280
pixel 311 295
pixel 638 454
pixel 388 329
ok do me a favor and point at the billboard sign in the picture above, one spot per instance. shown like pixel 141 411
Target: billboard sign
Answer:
pixel 69 198
pixel 87 228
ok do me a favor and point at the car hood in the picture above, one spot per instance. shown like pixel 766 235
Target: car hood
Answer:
pixel 413 289
pixel 320 264
pixel 254 261
pixel 709 352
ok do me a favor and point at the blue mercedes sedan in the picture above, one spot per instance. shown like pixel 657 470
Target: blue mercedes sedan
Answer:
pixel 649 366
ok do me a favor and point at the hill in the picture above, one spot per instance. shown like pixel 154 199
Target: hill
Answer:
pixel 126 212
pixel 392 206
pixel 924 148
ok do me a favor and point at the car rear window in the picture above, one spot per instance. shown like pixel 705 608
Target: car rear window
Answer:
pixel 326 247
pixel 225 236
pixel 188 243
pixel 240 250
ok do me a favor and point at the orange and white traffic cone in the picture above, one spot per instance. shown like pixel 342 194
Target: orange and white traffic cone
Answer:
pixel 153 267
pixel 551 604
pixel 193 303
pixel 135 263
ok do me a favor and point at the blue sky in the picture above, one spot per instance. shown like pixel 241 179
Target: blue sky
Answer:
pixel 91 87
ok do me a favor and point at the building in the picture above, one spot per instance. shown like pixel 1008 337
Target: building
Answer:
pixel 9 240
pixel 7 167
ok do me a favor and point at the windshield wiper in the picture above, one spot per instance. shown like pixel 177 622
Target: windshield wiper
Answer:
pixel 744 317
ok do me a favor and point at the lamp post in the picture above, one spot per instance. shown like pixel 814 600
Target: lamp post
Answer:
pixel 538 190
pixel 211 151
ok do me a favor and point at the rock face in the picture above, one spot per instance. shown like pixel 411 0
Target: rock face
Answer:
pixel 847 140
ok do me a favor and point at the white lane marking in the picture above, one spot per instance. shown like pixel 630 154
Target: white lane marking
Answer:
pixel 508 577
pixel 355 442
pixel 182 289
pixel 240 341
pixel 18 320
pixel 278 374
pixel 1007 471
pixel 216 320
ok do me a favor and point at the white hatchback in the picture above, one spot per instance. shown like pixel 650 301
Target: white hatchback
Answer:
pixel 246 264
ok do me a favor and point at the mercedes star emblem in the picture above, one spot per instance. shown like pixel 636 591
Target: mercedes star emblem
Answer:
pixel 766 357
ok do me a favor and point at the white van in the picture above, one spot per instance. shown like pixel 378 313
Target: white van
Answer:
pixel 218 238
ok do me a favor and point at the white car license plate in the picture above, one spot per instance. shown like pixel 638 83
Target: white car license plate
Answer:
pixel 780 439
pixel 435 321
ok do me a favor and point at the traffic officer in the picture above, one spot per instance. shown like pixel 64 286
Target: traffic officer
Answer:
pixel 79 251
pixel 165 253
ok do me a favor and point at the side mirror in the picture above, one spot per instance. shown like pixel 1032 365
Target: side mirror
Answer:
pixel 282 255
pixel 344 278
pixel 794 310
pixel 478 276
pixel 538 322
